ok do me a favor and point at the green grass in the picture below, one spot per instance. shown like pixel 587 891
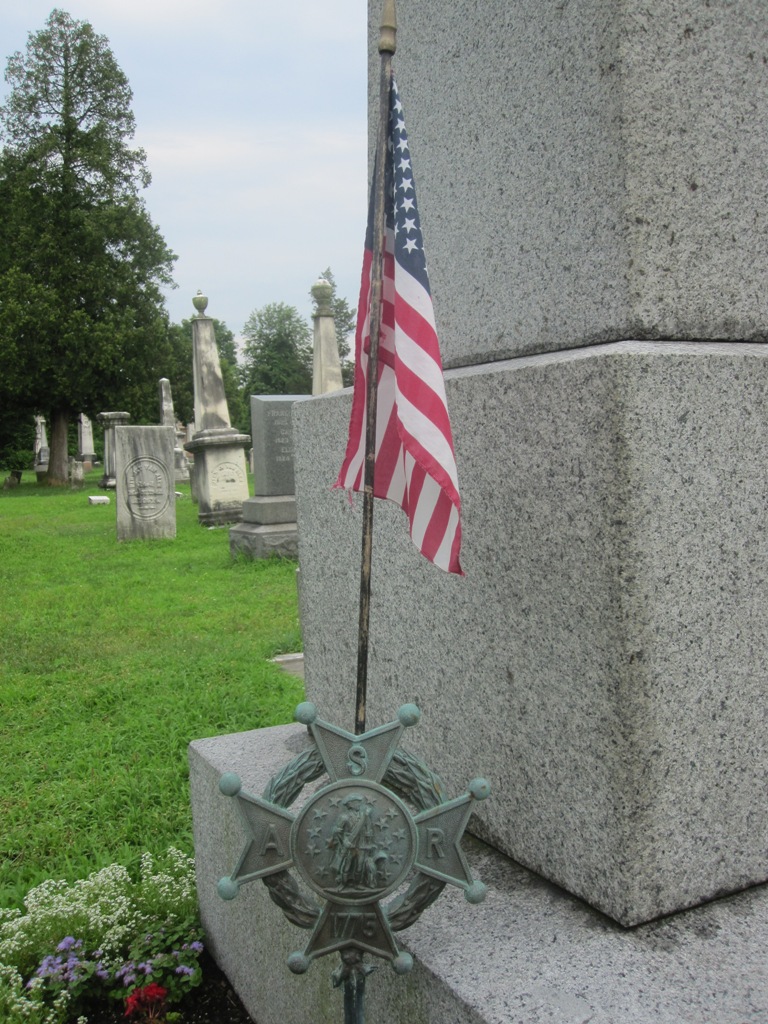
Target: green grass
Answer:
pixel 113 657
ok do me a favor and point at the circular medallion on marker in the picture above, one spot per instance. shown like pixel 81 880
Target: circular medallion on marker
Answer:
pixel 354 842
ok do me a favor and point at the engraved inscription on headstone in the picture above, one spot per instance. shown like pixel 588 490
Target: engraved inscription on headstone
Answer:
pixel 146 504
pixel 282 440
pixel 147 487
pixel 228 479
pixel 272 431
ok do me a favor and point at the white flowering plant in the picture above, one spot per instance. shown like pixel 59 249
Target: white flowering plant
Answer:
pixel 106 936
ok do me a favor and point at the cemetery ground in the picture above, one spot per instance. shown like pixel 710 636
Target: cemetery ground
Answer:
pixel 113 657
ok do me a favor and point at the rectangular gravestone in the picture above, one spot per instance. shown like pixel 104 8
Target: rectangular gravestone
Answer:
pixel 144 484
pixel 168 419
pixel 272 428
pixel 85 447
pixel 269 518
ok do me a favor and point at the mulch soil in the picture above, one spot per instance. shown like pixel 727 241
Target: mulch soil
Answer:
pixel 212 1002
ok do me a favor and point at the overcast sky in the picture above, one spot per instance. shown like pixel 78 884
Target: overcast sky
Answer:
pixel 253 117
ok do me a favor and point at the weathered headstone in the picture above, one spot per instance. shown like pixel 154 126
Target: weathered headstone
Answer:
pixel 86 452
pixel 168 419
pixel 41 436
pixel 76 472
pixel 145 497
pixel 42 451
pixel 110 422
pixel 219 476
pixel 326 365
pixel 269 518
pixel 189 433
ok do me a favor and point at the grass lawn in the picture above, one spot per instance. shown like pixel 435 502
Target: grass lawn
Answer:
pixel 113 656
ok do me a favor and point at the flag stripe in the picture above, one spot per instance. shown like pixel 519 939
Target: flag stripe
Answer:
pixel 415 464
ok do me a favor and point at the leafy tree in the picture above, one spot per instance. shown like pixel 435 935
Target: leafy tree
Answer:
pixel 82 320
pixel 345 322
pixel 277 356
pixel 17 440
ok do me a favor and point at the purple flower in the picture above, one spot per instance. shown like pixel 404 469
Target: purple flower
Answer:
pixel 183 969
pixel 49 967
pixel 68 943
pixel 145 967
pixel 196 947
pixel 129 979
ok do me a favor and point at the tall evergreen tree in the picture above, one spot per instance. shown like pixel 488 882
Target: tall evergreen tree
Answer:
pixel 82 319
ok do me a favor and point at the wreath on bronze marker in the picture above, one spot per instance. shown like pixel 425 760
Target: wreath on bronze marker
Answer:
pixel 410 779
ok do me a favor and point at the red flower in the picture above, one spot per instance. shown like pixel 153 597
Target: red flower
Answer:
pixel 148 1000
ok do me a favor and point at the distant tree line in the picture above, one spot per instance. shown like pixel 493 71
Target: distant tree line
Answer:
pixel 83 323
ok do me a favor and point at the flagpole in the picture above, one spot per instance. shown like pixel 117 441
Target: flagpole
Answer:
pixel 387 36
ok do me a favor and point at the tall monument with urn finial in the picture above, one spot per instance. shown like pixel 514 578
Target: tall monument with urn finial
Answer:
pixel 221 483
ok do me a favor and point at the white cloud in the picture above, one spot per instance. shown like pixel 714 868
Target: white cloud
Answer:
pixel 252 115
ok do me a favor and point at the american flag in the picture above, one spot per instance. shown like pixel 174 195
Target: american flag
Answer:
pixel 415 463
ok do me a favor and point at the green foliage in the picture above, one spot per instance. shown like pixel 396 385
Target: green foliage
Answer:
pixel 17 440
pixel 113 657
pixel 277 356
pixel 108 935
pixel 82 321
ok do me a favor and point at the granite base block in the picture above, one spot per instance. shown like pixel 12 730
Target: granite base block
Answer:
pixel 251 541
pixel 220 483
pixel 266 511
pixel 603 662
pixel 530 954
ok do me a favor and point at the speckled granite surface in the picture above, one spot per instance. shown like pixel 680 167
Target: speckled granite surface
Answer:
pixel 604 660
pixel 531 954
pixel 587 171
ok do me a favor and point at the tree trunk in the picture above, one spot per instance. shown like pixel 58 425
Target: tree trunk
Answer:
pixel 58 462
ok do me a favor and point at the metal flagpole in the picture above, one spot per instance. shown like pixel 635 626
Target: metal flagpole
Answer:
pixel 387 36
pixel 352 972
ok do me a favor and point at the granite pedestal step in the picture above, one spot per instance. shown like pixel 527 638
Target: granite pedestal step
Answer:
pixel 530 954
pixel 252 541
